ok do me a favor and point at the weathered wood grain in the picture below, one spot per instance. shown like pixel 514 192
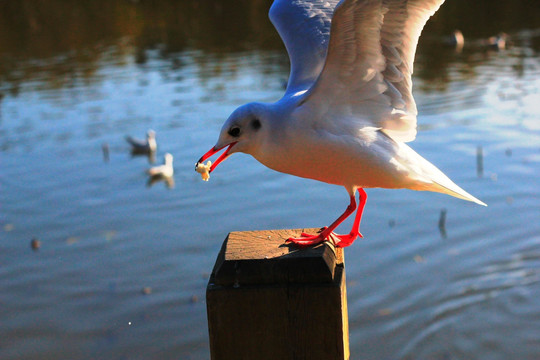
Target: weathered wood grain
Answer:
pixel 270 300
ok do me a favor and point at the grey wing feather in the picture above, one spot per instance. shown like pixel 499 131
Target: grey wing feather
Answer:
pixel 304 27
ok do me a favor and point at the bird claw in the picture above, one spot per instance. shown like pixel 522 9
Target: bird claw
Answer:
pixel 306 235
pixel 338 240
pixel 346 240
pixel 327 234
pixel 306 240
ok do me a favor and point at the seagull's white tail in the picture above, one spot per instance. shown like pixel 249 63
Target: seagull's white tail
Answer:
pixel 441 183
pixel 456 191
pixel 430 178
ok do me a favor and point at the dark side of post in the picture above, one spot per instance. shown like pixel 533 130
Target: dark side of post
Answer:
pixel 270 300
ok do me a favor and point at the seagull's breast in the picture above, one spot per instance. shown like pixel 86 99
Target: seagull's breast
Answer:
pixel 362 159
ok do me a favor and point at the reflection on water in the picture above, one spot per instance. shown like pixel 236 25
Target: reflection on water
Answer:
pixel 62 43
pixel 434 278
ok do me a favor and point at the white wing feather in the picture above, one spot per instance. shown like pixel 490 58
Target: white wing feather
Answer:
pixel 400 32
pixel 366 78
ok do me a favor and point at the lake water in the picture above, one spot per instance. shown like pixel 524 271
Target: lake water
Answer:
pixel 123 266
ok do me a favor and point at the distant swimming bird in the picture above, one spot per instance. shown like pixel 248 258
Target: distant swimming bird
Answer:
pixel 143 146
pixel 165 170
pixel 497 42
pixel 456 40
pixel 348 109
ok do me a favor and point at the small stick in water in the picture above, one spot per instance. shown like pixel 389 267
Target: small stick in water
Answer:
pixel 105 148
pixel 35 244
pixel 479 161
pixel 442 223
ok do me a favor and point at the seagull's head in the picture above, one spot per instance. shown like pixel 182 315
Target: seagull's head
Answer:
pixel 151 140
pixel 168 159
pixel 242 132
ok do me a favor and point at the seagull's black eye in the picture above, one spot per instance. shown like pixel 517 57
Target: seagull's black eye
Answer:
pixel 234 131
pixel 256 124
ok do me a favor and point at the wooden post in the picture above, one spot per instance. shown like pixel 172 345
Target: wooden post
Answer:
pixel 270 300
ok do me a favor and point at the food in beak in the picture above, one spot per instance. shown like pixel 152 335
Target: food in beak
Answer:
pixel 204 170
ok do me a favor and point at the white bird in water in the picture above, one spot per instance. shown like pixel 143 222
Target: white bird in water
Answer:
pixel 146 146
pixel 166 170
pixel 348 110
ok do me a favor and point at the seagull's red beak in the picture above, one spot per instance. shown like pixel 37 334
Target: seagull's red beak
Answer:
pixel 214 150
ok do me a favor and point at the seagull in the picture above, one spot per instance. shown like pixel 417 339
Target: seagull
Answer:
pixel 456 41
pixel 348 110
pixel 497 42
pixel 166 170
pixel 162 172
pixel 147 146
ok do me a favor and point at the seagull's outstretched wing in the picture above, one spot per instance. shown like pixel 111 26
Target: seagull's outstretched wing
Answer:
pixel 304 27
pixel 400 32
pixel 367 73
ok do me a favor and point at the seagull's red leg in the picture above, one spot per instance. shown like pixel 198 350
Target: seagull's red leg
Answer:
pixel 348 239
pixel 307 239
pixel 327 232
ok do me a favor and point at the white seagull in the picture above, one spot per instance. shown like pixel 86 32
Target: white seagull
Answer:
pixel 166 170
pixel 348 109
pixel 146 146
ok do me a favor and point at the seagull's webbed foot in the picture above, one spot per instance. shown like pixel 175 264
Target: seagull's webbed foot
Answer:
pixel 338 240
pixel 306 239
pixel 327 233
pixel 305 235
pixel 345 240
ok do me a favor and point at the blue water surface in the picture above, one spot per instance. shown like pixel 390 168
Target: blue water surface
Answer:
pixel 123 266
